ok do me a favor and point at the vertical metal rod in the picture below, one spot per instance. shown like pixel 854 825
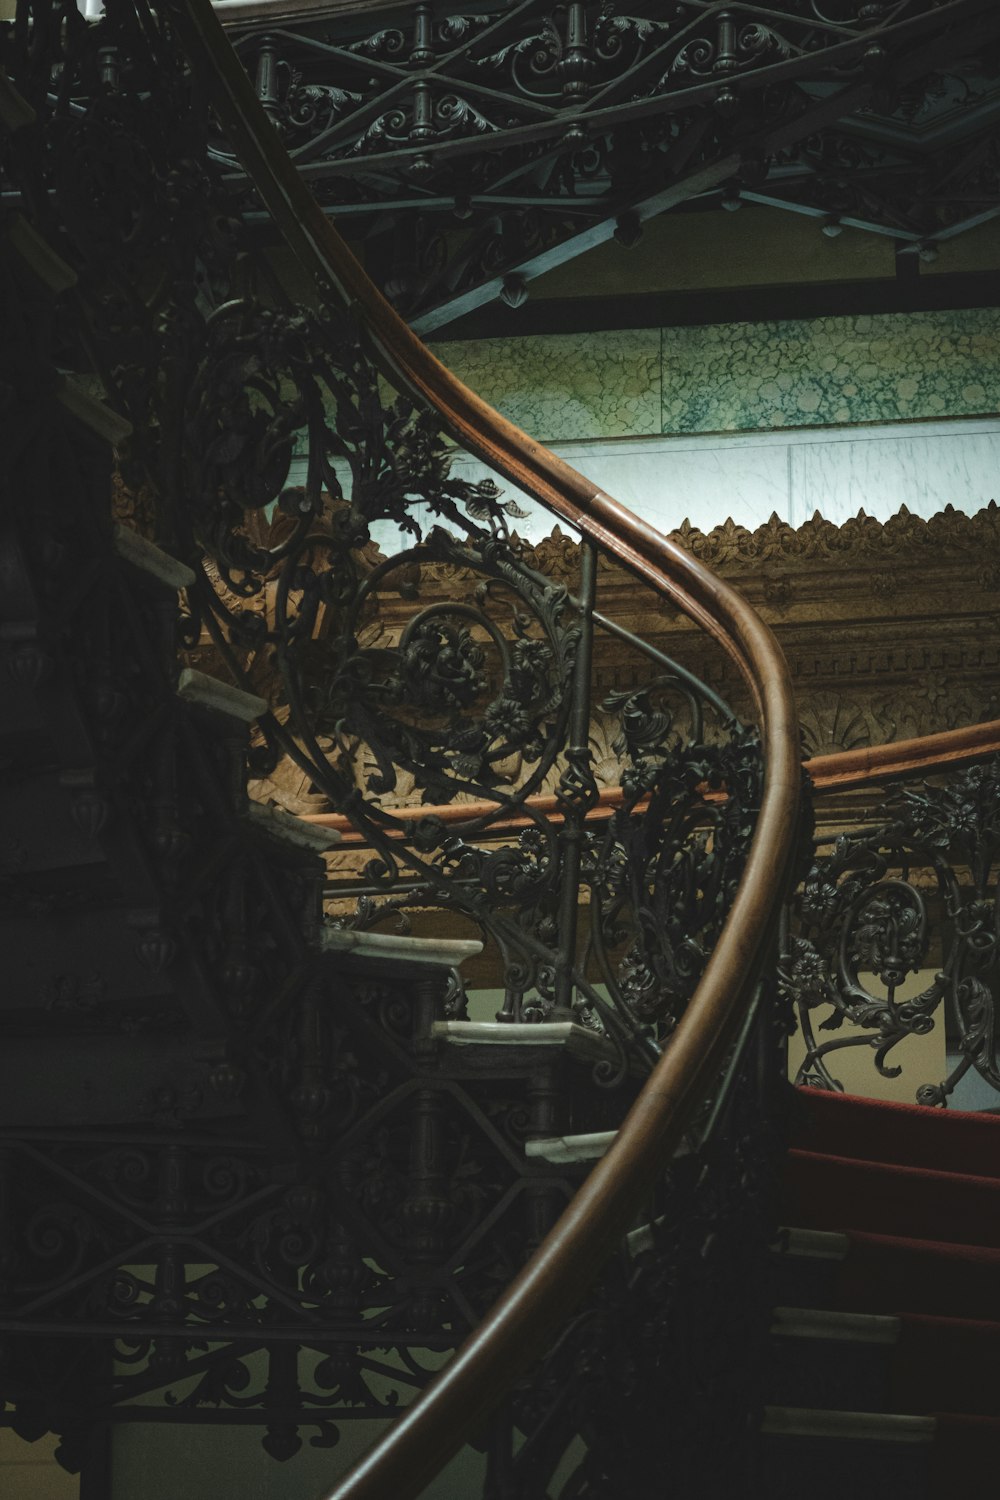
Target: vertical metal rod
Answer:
pixel 267 77
pixel 423 36
pixel 575 794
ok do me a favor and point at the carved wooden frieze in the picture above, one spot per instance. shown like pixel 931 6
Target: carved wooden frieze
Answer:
pixel 891 629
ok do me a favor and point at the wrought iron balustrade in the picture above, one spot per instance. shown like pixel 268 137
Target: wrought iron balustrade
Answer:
pixel 481 697
pixel 213 377
pixel 894 934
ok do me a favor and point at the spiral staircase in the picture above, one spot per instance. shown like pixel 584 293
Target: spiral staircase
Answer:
pixel 236 1131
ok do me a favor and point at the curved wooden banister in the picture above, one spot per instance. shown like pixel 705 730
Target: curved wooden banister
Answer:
pixel 548 1288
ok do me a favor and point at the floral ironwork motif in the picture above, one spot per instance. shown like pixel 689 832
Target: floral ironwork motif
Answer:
pixel 915 894
pixel 261 427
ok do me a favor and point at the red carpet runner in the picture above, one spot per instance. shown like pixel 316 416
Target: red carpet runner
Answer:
pixel 917 1193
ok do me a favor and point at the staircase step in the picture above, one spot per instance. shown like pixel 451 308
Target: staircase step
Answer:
pixel 890 1274
pixel 150 558
pixel 885 1274
pixel 569 1148
pixel 947 1365
pixel 942 1140
pixel 814 1244
pixel 94 414
pixel 294 832
pixel 832 1323
pixel 826 1359
pixel 964 1454
pixel 806 1266
pixel 393 947
pixel 909 1363
pixel 829 1454
pixel 575 1041
pixel 221 697
pixel 864 1426
pixel 843 1193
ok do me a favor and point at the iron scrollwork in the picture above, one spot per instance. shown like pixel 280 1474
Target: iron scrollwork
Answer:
pixel 388 1206
pixel 226 381
pixel 500 134
pixel 914 895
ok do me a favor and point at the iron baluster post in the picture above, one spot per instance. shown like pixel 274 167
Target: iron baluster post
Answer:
pixel 726 59
pixel 267 77
pixel 283 1399
pixel 546 1110
pixel 576 67
pixel 427 1208
pixel 170 1275
pixel 423 37
pixel 577 787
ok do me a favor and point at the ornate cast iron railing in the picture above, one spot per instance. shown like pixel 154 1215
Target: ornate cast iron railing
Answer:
pixel 894 934
pixel 116 160
pixel 508 140
pixel 546 1288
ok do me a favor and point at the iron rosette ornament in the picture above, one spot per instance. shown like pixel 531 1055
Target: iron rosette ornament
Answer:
pixel 895 931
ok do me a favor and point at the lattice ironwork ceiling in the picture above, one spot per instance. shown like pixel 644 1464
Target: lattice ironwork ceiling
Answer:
pixel 471 153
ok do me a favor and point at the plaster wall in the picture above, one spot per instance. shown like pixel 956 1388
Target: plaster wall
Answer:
pixel 28 1471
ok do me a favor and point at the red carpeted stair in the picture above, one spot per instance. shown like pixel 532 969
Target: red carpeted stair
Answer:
pixel 916 1192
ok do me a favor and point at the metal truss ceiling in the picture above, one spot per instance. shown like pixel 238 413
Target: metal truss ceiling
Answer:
pixel 472 153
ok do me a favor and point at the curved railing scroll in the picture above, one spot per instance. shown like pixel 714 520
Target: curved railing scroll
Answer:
pixel 552 1282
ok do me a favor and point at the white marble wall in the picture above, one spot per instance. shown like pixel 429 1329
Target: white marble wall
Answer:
pixel 748 476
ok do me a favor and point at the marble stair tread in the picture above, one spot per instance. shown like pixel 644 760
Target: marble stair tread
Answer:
pixel 859 1426
pixel 813 1244
pixel 438 953
pixel 290 830
pixel 567 1148
pixel 151 559
pixel 587 1146
pixel 94 414
pixel 824 1323
pixel 221 697
pixel 575 1041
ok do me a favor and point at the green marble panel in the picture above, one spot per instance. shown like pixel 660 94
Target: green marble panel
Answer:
pixel 559 386
pixel 831 371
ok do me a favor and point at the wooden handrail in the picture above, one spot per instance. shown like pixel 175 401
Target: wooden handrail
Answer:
pixel 841 771
pixel 554 1280
pixel 927 753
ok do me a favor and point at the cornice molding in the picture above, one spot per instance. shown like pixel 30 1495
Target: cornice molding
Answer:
pixel 951 534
